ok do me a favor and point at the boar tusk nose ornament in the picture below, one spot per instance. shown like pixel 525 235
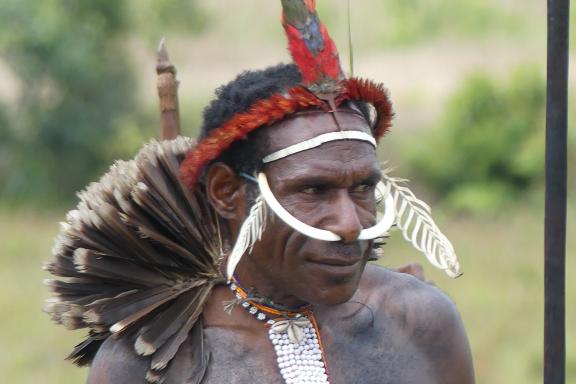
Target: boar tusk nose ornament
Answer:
pixel 321 234
pixel 411 215
pixel 253 227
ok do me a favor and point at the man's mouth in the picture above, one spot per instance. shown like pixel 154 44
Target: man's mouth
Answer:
pixel 338 258
pixel 336 262
pixel 338 268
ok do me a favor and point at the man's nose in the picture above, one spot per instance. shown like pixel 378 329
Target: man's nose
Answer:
pixel 343 219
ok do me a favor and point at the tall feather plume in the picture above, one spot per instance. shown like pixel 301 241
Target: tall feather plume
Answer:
pixel 350 42
pixel 250 231
pixel 415 221
pixel 311 47
pixel 139 255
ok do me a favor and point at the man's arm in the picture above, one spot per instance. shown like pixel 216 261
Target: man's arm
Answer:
pixel 446 343
pixel 117 363
pixel 427 318
pixel 438 330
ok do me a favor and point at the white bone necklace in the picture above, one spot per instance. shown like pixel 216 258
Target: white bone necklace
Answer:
pixel 295 338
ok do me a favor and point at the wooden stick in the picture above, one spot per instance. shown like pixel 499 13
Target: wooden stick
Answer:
pixel 556 194
pixel 167 85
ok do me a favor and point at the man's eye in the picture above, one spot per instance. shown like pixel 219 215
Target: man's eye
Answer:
pixel 363 188
pixel 312 190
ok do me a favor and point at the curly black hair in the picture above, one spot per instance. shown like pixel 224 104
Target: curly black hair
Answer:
pixel 237 96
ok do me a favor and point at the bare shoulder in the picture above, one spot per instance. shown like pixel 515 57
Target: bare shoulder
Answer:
pixel 403 294
pixel 116 362
pixel 426 316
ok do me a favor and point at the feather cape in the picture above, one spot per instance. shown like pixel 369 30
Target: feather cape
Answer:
pixel 137 258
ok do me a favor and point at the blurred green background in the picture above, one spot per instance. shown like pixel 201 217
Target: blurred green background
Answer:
pixel 77 90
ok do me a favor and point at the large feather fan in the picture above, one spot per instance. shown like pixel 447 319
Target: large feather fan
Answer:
pixel 137 258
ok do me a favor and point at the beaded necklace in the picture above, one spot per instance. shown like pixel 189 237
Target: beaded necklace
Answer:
pixel 295 337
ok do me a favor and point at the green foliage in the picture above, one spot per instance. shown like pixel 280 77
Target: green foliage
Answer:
pixel 77 90
pixel 413 20
pixel 409 22
pixel 489 147
pixel 152 19
pixel 75 83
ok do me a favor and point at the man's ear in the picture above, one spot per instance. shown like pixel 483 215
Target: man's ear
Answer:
pixel 226 192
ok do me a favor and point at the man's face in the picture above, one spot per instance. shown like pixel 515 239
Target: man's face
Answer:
pixel 330 187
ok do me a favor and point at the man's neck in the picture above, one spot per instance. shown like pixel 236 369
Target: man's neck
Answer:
pixel 272 292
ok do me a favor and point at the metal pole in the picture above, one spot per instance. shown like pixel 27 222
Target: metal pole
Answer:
pixel 556 189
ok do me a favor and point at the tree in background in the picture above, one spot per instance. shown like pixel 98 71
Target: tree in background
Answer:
pixel 77 88
pixel 489 147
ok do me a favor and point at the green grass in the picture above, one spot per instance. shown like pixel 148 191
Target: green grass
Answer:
pixel 500 297
pixel 33 349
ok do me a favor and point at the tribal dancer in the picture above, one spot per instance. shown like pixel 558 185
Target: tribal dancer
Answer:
pixel 242 257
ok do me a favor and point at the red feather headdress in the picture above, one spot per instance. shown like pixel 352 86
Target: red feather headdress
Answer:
pixel 323 86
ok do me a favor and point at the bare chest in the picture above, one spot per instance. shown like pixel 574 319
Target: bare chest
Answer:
pixel 360 349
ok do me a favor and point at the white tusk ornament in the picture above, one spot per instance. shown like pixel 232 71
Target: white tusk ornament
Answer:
pixel 321 234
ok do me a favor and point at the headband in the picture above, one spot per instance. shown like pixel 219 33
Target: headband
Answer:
pixel 318 141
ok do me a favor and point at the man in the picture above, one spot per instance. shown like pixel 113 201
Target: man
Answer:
pixel 287 161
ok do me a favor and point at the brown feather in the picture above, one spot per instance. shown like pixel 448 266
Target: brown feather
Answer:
pixel 93 264
pixel 169 322
pixel 139 255
pixel 168 349
pixel 128 304
pixel 83 353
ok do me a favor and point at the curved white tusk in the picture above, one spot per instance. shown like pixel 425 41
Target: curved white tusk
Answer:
pixel 387 221
pixel 322 234
pixel 305 229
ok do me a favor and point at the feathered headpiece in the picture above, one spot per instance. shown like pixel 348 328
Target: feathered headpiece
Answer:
pixel 311 47
pixel 323 86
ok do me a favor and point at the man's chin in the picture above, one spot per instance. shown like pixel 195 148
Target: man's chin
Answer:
pixel 337 283
pixel 339 290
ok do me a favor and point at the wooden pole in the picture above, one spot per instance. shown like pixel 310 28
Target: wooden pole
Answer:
pixel 556 193
pixel 167 85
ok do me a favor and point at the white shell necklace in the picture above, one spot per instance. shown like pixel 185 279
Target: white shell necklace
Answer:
pixel 295 338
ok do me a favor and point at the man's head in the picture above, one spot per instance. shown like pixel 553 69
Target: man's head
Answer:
pixel 238 96
pixel 307 133
pixel 330 187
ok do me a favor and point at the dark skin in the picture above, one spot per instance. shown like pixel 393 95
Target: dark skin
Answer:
pixel 377 326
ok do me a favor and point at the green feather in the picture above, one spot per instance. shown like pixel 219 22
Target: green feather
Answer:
pixel 295 11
